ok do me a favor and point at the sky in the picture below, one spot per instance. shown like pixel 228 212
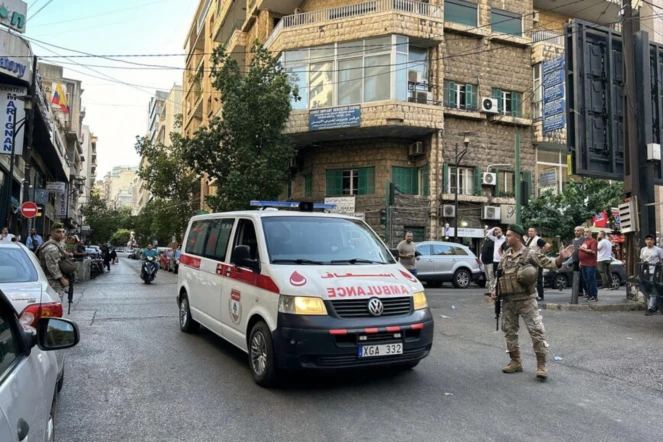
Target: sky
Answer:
pixel 116 111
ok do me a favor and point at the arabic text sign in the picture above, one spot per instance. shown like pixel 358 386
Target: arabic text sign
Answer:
pixel 555 122
pixel 344 204
pixel 548 178
pixel 333 118
pixel 554 91
pixel 56 186
pixel 13 111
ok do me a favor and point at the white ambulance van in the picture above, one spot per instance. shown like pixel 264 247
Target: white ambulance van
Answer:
pixel 301 290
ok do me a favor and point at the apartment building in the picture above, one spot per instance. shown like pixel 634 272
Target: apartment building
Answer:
pixel 89 143
pixel 119 180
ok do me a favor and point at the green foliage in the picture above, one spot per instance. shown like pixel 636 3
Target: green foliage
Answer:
pixel 557 215
pixel 245 150
pixel 104 221
pixel 121 237
pixel 154 223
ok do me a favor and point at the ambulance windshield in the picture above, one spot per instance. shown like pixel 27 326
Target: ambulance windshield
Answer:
pixel 316 240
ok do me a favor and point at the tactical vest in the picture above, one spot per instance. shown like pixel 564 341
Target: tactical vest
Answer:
pixel 508 284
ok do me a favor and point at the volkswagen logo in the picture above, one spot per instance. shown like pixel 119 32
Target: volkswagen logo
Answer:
pixel 375 307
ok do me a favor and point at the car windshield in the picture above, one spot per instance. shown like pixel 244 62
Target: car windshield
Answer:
pixel 15 266
pixel 316 241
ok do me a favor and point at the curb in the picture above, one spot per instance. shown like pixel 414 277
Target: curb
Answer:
pixel 628 307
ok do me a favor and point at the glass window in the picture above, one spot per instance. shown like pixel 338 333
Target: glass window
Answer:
pixel 16 266
pixel 298 78
pixel 460 96
pixel 195 242
pixel 379 44
pixel 246 236
pixel 505 182
pixel 322 53
pixel 349 81
pixel 377 77
pixel 537 101
pixel 458 11
pixel 442 249
pixel 506 22
pixel 9 340
pixel 322 85
pixel 508 102
pixel 547 156
pixel 219 237
pixel 418 62
pixel 327 240
pixel 464 180
pixel 296 56
pixel 424 250
pixel 460 252
pixel 350 182
pixel 350 49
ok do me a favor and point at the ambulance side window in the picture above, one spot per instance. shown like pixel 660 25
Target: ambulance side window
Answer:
pixel 219 238
pixel 195 242
pixel 246 236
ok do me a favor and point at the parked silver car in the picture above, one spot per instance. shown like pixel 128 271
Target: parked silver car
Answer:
pixel 442 262
pixel 28 374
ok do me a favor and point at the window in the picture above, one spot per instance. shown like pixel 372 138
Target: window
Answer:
pixel 508 102
pixel 418 233
pixel 424 180
pixel 442 249
pixel 464 180
pixel 298 76
pixel 460 252
pixel 15 266
pixel 551 170
pixel 505 183
pixel 418 62
pixel 349 82
pixel 406 179
pixel 537 101
pixel 460 96
pixel 377 77
pixel 504 22
pixel 351 181
pixel 246 236
pixel 308 185
pixel 195 242
pixel 219 237
pixel 321 87
pixel 10 344
pixel 424 250
pixel 458 11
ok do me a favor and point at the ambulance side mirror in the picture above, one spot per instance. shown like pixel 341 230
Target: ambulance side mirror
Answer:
pixel 242 258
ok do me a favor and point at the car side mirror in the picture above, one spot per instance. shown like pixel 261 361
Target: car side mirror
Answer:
pixel 242 258
pixel 57 334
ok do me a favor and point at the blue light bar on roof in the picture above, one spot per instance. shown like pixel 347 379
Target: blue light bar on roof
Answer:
pixel 290 205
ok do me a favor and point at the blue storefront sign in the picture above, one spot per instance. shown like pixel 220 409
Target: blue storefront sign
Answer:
pixel 554 122
pixel 334 118
pixel 554 91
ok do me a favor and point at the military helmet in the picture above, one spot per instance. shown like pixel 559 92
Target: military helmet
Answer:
pixel 527 275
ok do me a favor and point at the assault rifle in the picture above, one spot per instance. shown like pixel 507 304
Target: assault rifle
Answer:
pixel 498 300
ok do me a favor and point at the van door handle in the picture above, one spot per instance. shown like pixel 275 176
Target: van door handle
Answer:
pixel 23 430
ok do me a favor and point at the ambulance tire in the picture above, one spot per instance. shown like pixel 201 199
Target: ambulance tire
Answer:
pixel 261 356
pixel 187 324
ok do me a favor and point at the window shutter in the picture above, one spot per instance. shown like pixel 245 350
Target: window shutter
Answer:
pixel 334 182
pixel 516 104
pixel 497 94
pixel 527 177
pixel 425 180
pixel 478 178
pixel 445 178
pixel 413 174
pixel 451 94
pixel 308 185
pixel 366 181
pixel 497 184
pixel 470 95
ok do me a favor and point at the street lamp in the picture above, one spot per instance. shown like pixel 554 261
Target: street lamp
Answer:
pixel 7 189
pixel 459 158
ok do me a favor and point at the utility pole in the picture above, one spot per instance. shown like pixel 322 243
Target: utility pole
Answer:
pixel 459 158
pixel 516 177
pixel 27 152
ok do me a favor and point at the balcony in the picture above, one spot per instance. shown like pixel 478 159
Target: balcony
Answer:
pixel 602 12
pixel 392 119
pixel 418 20
pixel 546 45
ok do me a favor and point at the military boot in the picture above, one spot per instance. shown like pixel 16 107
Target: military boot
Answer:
pixel 516 365
pixel 541 371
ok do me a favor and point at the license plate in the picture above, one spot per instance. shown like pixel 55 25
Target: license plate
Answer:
pixel 368 351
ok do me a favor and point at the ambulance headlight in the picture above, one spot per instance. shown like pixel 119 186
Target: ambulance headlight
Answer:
pixel 302 305
pixel 420 301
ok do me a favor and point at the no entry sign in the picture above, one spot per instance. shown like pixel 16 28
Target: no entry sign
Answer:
pixel 29 209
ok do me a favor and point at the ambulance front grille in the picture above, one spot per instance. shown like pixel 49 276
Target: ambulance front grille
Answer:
pixel 358 308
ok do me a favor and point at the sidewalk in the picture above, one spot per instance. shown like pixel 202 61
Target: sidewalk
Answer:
pixel 608 301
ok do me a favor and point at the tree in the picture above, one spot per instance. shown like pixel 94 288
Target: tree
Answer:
pixel 121 237
pixel 557 215
pixel 103 220
pixel 245 150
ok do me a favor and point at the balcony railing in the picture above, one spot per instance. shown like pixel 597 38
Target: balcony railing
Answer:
pixel 548 37
pixel 236 26
pixel 356 10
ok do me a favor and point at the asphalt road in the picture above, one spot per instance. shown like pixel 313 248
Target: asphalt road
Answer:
pixel 136 377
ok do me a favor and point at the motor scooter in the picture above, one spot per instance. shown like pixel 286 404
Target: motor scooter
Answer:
pixel 149 269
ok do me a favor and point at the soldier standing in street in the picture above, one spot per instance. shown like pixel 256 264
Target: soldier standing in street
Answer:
pixel 50 254
pixel 516 284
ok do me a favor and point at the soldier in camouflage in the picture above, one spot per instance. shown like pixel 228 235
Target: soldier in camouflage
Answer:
pixel 50 254
pixel 517 288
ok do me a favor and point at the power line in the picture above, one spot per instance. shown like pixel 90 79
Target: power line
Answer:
pixel 41 9
pixel 103 14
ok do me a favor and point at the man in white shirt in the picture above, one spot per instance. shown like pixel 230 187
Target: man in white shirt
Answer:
pixel 5 235
pixel 536 244
pixel 652 255
pixel 604 259
pixel 495 235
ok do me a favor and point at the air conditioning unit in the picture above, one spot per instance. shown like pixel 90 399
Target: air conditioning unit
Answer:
pixel 424 97
pixel 415 77
pixel 489 105
pixel 416 149
pixel 448 211
pixel 491 213
pixel 489 179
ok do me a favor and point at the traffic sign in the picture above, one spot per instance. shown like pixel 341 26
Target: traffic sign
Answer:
pixel 29 209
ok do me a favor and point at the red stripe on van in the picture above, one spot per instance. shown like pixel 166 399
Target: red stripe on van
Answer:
pixel 393 329
pixel 190 261
pixel 370 330
pixel 338 332
pixel 417 326
pixel 248 277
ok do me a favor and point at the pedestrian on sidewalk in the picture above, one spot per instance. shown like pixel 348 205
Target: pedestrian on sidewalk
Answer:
pixel 34 240
pixel 575 259
pixel 517 287
pixel 604 259
pixel 652 255
pixel 588 255
pixel 408 255
pixel 536 243
pixel 487 252
pixel 105 254
pixel 496 236
pixel 5 235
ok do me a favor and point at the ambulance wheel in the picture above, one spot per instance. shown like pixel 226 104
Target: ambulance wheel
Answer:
pixel 187 324
pixel 261 355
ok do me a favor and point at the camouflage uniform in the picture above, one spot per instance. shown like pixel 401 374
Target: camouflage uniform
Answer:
pixel 49 257
pixel 520 301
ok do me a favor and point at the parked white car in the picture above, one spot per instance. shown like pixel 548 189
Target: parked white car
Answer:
pixel 24 283
pixel 28 374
